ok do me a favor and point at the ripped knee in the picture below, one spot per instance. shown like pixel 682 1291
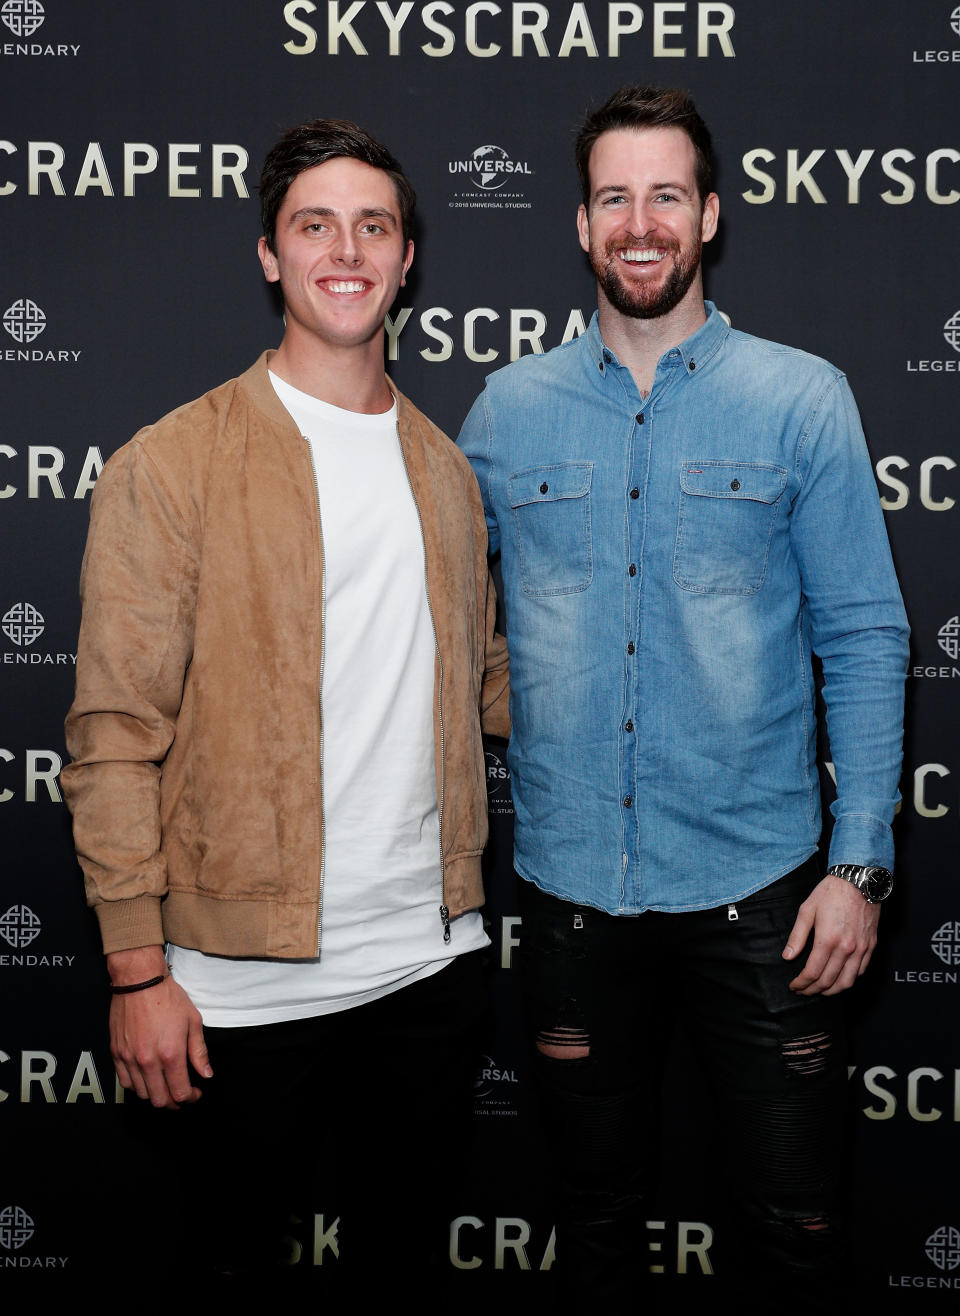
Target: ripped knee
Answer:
pixel 564 1043
pixel 807 1055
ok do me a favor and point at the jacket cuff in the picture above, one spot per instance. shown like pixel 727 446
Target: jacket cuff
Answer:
pixel 127 924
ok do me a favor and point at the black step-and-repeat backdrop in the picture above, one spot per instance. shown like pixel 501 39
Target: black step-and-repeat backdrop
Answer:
pixel 130 144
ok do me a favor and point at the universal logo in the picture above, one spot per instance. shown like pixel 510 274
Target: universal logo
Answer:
pixel 499 799
pixel 19 928
pixel 943 1249
pixel 16 1230
pixel 941 56
pixel 25 321
pixel 945 944
pixel 23 624
pixel 951 333
pixel 24 18
pixel 489 168
pixel 493 1089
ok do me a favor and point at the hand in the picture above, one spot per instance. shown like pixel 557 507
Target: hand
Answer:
pixel 155 1032
pixel 844 926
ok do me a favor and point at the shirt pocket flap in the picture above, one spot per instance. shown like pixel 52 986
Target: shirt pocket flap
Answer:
pixel 761 484
pixel 547 484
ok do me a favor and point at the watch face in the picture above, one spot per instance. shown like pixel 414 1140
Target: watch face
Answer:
pixel 878 885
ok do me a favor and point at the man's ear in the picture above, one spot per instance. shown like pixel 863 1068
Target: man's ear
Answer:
pixel 710 217
pixel 583 227
pixel 268 260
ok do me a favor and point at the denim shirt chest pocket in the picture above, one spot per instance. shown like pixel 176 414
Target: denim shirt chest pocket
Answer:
pixel 551 511
pixel 728 510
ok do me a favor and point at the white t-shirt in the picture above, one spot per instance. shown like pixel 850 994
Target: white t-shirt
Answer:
pixel 382 889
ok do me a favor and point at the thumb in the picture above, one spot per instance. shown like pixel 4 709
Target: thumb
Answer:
pixel 197 1050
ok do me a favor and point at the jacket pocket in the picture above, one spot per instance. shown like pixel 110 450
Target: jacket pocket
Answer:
pixel 727 513
pixel 551 509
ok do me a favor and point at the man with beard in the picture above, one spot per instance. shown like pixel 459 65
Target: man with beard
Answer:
pixel 685 515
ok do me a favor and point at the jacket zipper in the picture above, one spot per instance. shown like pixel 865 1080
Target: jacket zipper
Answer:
pixel 323 653
pixel 444 910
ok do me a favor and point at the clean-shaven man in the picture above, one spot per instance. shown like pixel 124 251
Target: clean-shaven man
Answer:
pixel 277 779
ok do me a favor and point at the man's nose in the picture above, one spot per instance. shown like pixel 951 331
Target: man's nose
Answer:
pixel 347 248
pixel 641 219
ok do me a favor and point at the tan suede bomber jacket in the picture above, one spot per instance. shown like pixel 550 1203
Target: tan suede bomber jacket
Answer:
pixel 195 734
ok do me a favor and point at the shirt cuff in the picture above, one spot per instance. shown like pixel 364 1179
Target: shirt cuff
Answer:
pixel 861 839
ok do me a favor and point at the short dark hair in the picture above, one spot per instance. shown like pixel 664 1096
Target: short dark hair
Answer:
pixel 647 107
pixel 314 143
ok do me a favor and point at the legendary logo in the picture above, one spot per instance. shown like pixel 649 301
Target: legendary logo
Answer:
pixel 19 926
pixel 16 1227
pixel 22 623
pixel 948 637
pixel 22 17
pixel 955 20
pixel 943 1247
pixel 951 331
pixel 945 943
pixel 24 321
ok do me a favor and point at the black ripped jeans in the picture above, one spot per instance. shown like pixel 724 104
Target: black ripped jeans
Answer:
pixel 600 990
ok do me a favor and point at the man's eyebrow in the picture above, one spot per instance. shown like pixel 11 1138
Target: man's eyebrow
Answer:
pixel 613 189
pixel 329 212
pixel 377 212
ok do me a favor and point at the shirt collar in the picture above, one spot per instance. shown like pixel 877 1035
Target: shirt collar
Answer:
pixel 693 352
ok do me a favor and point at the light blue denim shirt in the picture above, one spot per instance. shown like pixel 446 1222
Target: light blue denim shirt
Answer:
pixel 669 563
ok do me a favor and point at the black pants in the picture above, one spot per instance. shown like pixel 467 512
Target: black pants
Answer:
pixel 600 990
pixel 361 1115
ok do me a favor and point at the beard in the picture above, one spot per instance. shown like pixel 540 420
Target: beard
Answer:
pixel 641 301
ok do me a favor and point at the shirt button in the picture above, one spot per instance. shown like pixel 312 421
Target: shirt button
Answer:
pixel 639 417
pixel 633 568
pixel 631 647
pixel 627 801
pixel 544 487
pixel 693 365
pixel 628 725
pixel 607 357
pixel 634 493
pixel 734 484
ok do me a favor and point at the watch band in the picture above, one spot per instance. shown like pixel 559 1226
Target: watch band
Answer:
pixel 873 883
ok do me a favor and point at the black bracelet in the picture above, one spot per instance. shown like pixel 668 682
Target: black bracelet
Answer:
pixel 139 986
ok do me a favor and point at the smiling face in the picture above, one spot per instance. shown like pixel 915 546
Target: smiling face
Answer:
pixel 340 255
pixel 646 222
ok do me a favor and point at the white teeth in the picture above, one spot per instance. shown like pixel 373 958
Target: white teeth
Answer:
pixel 642 255
pixel 346 285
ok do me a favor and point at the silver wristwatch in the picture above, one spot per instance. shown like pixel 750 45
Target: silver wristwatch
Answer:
pixel 874 884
